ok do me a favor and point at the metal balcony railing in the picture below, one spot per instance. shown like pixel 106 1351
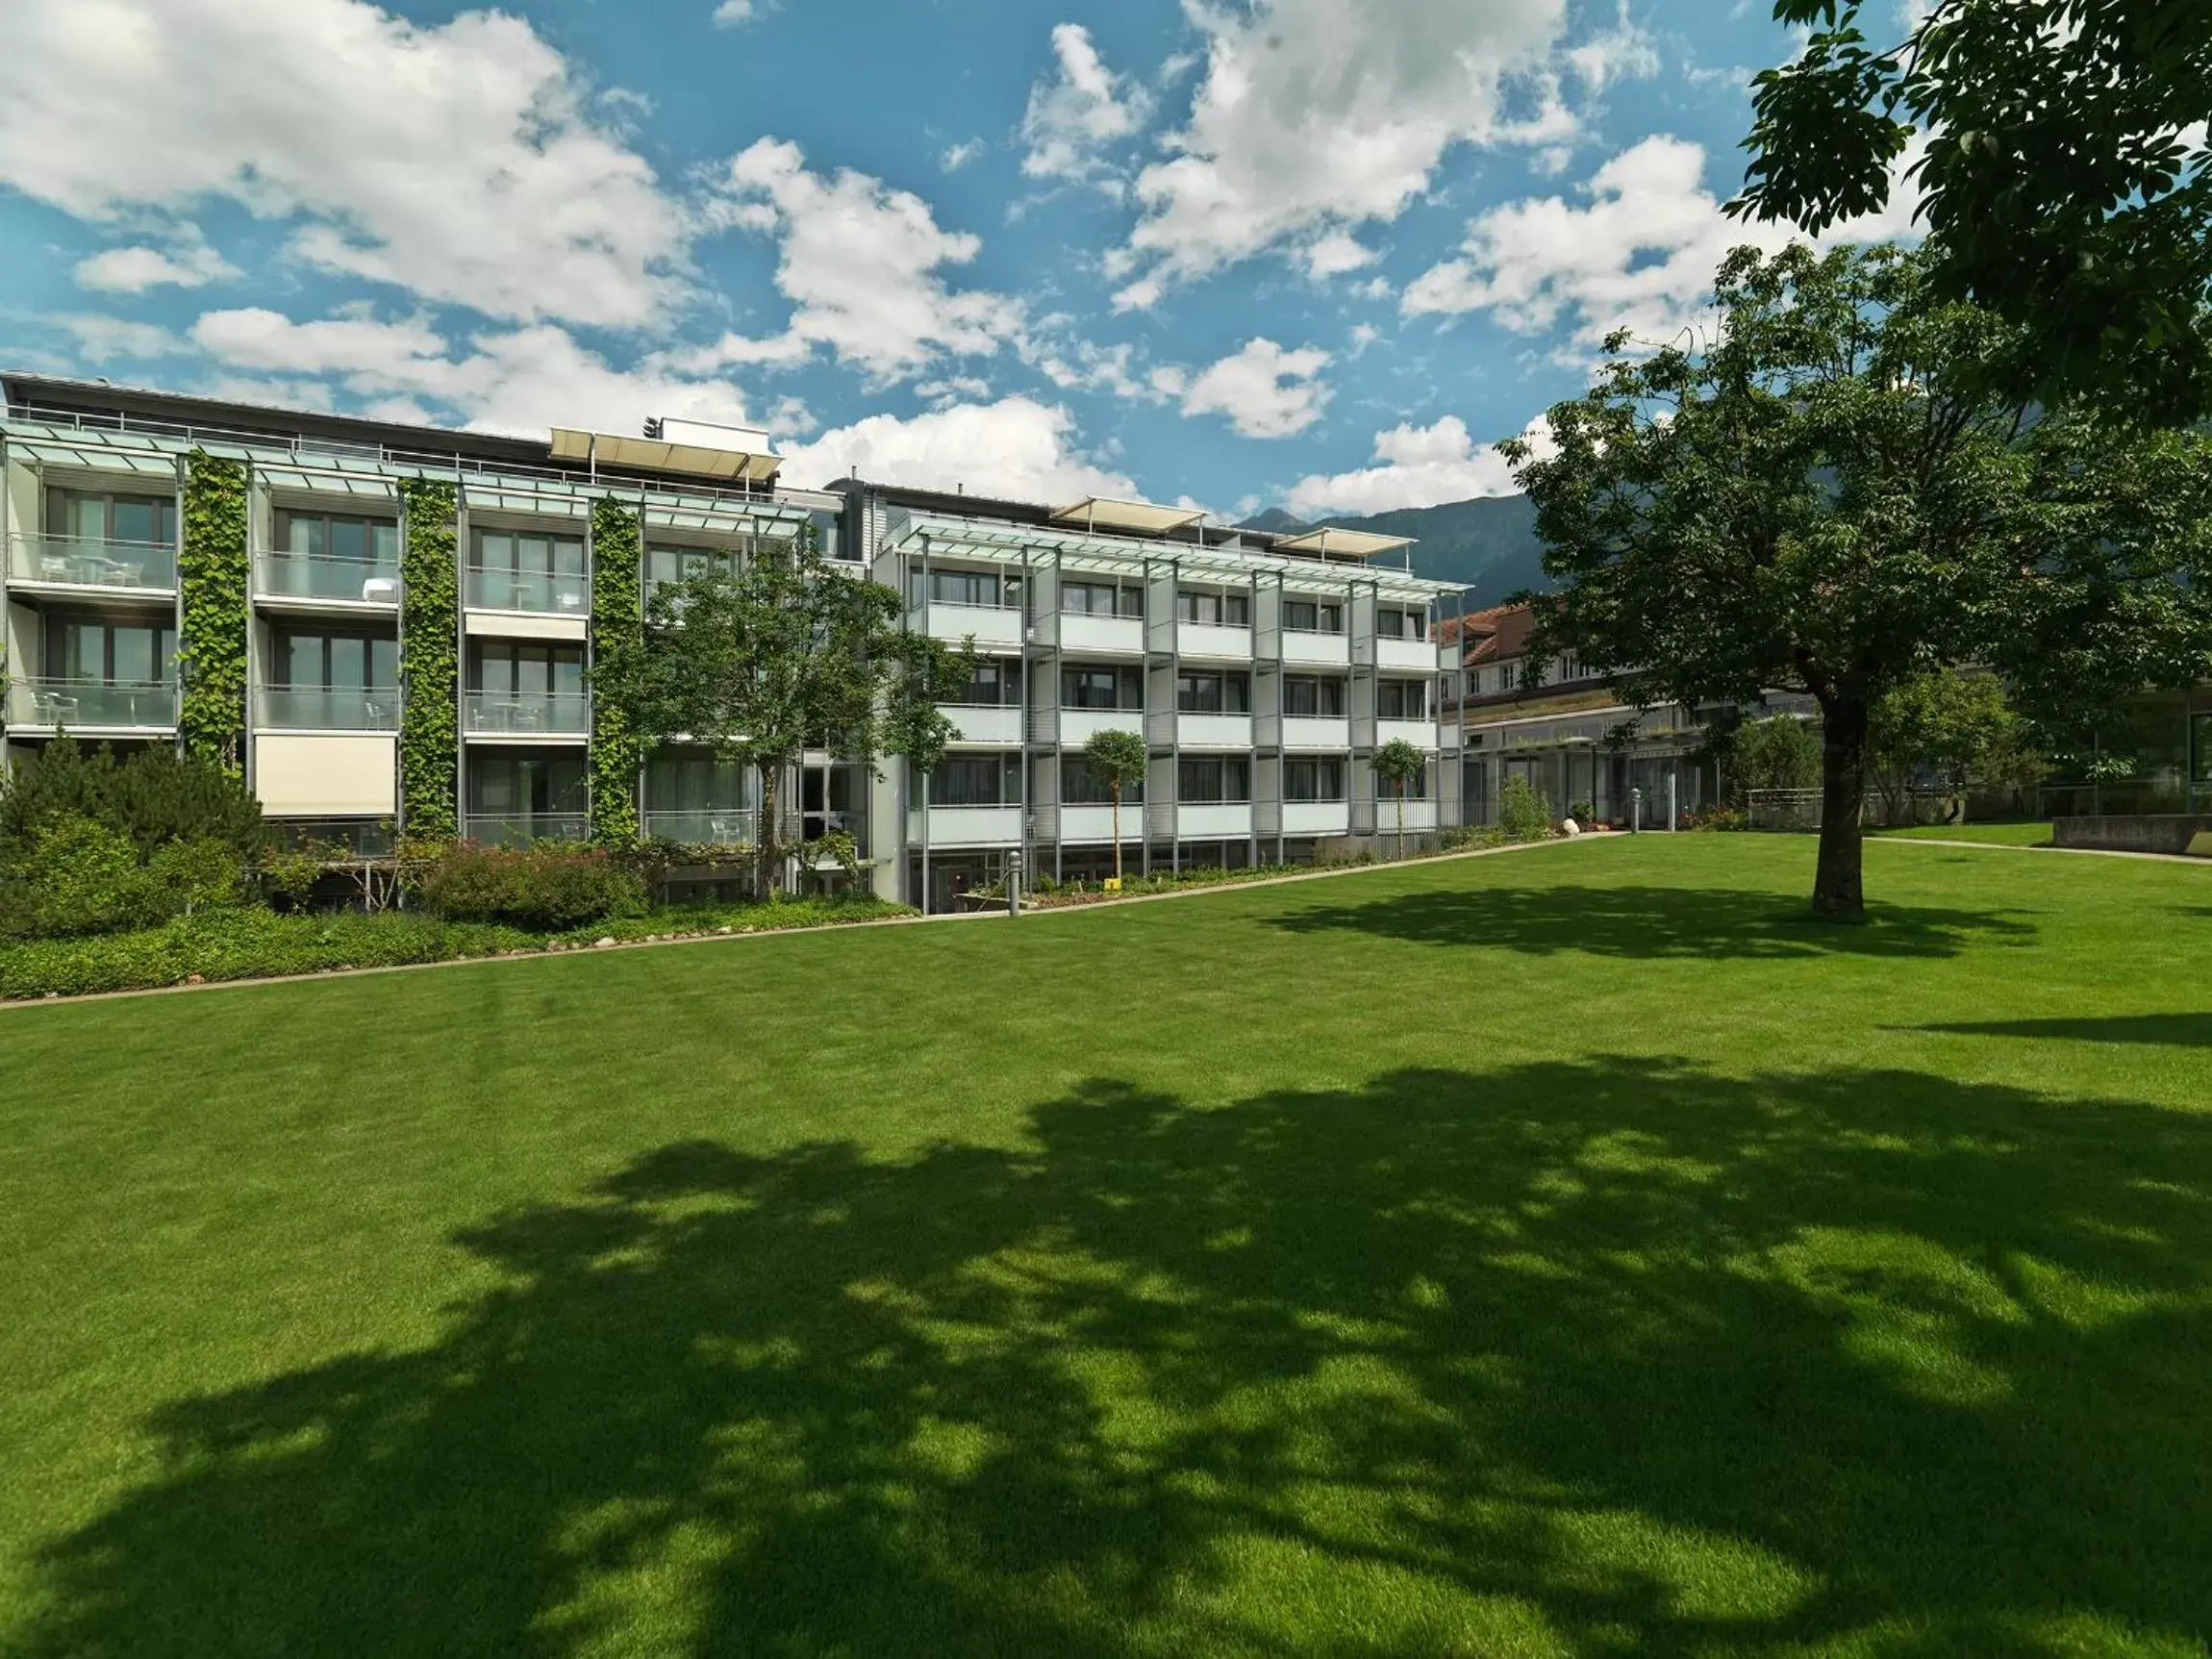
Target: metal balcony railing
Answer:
pixel 565 596
pixel 304 708
pixel 527 713
pixel 283 575
pixel 81 705
pixel 89 561
pixel 707 826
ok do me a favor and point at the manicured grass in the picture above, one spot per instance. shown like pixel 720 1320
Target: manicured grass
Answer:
pixel 1997 835
pixel 1572 1251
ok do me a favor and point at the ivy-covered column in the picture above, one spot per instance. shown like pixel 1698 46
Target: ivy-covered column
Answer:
pixel 430 661
pixel 211 576
pixel 617 637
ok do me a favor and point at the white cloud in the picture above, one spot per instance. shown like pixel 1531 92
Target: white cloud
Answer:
pixel 100 336
pixel 732 12
pixel 1318 115
pixel 136 269
pixel 1336 253
pixel 1415 466
pixel 1640 254
pixel 460 162
pixel 1015 447
pixel 860 265
pixel 1077 112
pixel 1624 53
pixel 521 380
pixel 1265 390
pixel 957 155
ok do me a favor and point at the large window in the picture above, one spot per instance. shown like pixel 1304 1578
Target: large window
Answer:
pixel 976 781
pixel 91 516
pixel 698 781
pixel 665 564
pixel 1214 780
pixel 336 660
pixel 94 648
pixel 1210 608
pixel 1102 599
pixel 1402 699
pixel 1416 787
pixel 984 588
pixel 527 571
pixel 1392 623
pixel 992 685
pixel 523 788
pixel 1214 694
pixel 1081 787
pixel 1316 780
pixel 516 667
pixel 1102 688
pixel 349 536
pixel 1313 699
pixel 1311 617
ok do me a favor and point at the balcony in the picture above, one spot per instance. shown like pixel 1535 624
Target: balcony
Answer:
pixel 526 829
pixel 1224 821
pixel 954 827
pixel 1109 635
pixel 1213 731
pixel 563 714
pixel 1317 817
pixel 1309 734
pixel 93 705
pixel 984 724
pixel 290 709
pixel 317 578
pixel 1078 726
pixel 1420 734
pixel 1302 650
pixel 532 590
pixel 708 826
pixel 1210 642
pixel 999 625
pixel 1416 656
pixel 140 569
pixel 1096 825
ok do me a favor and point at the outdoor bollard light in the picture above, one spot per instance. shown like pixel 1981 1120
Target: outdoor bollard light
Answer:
pixel 1013 883
pixel 1635 809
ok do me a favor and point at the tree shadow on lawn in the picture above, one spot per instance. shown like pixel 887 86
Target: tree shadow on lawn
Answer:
pixel 1657 921
pixel 2173 1030
pixel 1616 1355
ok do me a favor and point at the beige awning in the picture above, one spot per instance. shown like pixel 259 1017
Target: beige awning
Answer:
pixel 1145 518
pixel 1333 543
pixel 652 455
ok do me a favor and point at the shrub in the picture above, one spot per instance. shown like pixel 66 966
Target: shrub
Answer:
pixel 153 796
pixel 1522 813
pixel 545 887
pixel 73 875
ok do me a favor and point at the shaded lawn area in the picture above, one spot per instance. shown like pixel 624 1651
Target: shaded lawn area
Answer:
pixel 1997 835
pixel 1573 1251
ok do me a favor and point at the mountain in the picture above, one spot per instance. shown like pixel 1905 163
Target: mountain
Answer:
pixel 1489 542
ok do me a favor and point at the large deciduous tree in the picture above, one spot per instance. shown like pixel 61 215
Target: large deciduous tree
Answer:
pixel 2067 181
pixel 1816 498
pixel 784 654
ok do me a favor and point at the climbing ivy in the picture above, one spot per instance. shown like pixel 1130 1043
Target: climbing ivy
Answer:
pixel 212 572
pixel 617 639
pixel 430 661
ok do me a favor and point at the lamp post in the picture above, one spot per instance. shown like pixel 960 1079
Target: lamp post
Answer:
pixel 1013 882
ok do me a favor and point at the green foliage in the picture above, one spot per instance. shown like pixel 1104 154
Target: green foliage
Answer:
pixel 837 847
pixel 213 577
pixel 1819 499
pixel 73 874
pixel 788 653
pixel 2066 184
pixel 430 661
pixel 1522 813
pixel 289 873
pixel 1777 753
pixel 1118 759
pixel 151 796
pixel 1397 764
pixel 545 887
pixel 618 642
pixel 1951 728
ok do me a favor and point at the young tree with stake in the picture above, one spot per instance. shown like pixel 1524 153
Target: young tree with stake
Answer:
pixel 1398 763
pixel 1120 758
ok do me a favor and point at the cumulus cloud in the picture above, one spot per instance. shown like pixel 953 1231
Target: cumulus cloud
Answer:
pixel 458 162
pixel 100 338
pixel 859 264
pixel 1638 253
pixel 1315 116
pixel 1626 52
pixel 1264 389
pixel 732 12
pixel 1015 447
pixel 138 268
pixel 1415 466
pixel 1080 110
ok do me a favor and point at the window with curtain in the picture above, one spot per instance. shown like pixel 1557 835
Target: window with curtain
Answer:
pixel 1392 623
pixel 1214 780
pixel 1213 608
pixel 992 685
pixel 973 588
pixel 697 781
pixel 1081 787
pixel 976 781
pixel 1102 599
pixel 522 787
pixel 1313 698
pixel 1416 788
pixel 97 515
pixel 1313 780
pixel 1214 694
pixel 1102 688
pixel 356 537
pixel 1313 616
pixel 1402 699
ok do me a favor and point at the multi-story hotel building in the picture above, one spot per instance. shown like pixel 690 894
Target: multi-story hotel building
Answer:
pixel 1263 672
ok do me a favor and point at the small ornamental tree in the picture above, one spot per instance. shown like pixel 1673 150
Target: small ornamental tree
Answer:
pixel 1822 498
pixel 1955 727
pixel 1398 763
pixel 786 654
pixel 1120 758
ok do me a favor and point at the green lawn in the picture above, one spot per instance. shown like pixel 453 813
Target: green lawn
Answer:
pixel 2001 835
pixel 1572 1251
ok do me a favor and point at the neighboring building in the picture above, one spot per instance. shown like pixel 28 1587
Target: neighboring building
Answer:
pixel 1570 732
pixel 1262 670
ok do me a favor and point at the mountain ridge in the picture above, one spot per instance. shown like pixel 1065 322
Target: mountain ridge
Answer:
pixel 1488 542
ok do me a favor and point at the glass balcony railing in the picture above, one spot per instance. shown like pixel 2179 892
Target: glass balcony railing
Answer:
pixel 81 705
pixel 566 595
pixel 527 713
pixel 524 829
pixel 281 575
pixel 296 709
pixel 707 826
pixel 88 562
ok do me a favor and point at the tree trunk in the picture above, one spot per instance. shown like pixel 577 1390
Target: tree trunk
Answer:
pixel 1116 833
pixel 1401 817
pixel 1838 893
pixel 770 874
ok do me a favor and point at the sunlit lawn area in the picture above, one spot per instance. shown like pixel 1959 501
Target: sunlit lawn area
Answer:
pixel 1996 834
pixel 1572 1251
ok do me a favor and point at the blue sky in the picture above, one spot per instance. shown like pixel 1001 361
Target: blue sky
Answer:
pixel 1313 253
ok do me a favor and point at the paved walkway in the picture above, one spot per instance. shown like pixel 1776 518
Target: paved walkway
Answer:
pixel 2015 846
